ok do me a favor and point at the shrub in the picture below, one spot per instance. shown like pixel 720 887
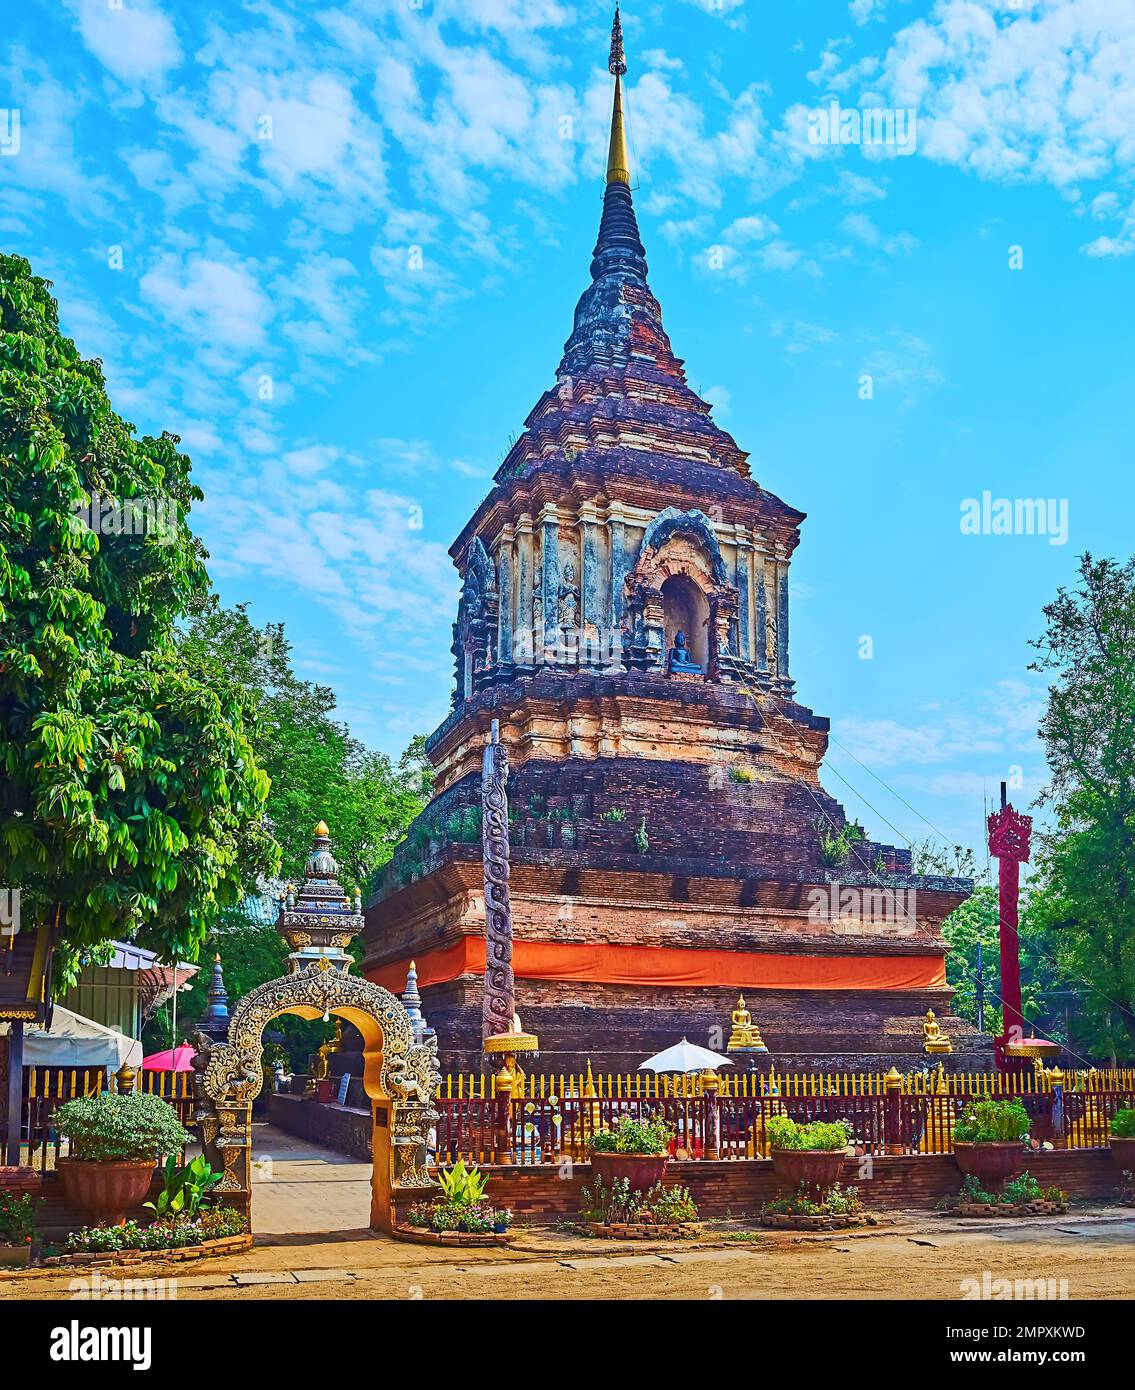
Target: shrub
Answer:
pixel 615 814
pixel 784 1133
pixel 462 1186
pixel 842 1201
pixel 1021 1189
pixel 669 1205
pixel 420 1215
pixel 743 775
pixel 836 845
pixel 972 1191
pixel 17 1218
pixel 836 1201
pixel 631 1136
pixel 118 1128
pixel 173 1234
pixel 184 1188
pixel 993 1122
pixel 1123 1124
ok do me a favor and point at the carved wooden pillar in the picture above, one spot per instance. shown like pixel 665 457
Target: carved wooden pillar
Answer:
pixel 499 1003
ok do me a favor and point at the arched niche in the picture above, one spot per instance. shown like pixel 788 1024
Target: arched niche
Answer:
pixel 685 608
pixel 680 574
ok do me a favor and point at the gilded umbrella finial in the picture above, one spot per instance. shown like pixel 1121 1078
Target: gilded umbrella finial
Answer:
pixel 618 162
pixel 617 61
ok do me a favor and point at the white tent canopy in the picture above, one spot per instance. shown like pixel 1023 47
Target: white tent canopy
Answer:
pixel 684 1057
pixel 75 1041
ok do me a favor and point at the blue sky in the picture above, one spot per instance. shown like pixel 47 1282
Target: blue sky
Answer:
pixel 229 197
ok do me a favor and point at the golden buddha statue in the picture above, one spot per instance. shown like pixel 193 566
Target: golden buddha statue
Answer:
pixel 933 1039
pixel 745 1035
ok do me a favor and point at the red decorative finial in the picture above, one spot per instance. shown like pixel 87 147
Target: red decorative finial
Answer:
pixel 1010 834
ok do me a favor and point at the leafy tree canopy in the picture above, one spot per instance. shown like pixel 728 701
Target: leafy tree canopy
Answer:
pixel 318 771
pixel 131 796
pixel 1087 863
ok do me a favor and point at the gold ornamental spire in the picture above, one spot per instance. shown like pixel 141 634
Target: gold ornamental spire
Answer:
pixel 618 162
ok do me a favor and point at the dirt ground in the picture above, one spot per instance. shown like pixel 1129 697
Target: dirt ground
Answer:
pixel 1088 1254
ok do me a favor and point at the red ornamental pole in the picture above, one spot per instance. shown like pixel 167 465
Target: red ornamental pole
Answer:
pixel 1009 836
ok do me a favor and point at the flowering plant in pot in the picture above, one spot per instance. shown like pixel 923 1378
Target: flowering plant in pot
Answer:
pixel 808 1153
pixel 17 1226
pixel 637 1150
pixel 115 1141
pixel 1122 1138
pixel 989 1139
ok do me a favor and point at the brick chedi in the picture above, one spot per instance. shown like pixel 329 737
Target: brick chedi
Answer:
pixel 665 802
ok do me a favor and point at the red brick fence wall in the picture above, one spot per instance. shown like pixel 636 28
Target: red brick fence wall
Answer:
pixel 736 1186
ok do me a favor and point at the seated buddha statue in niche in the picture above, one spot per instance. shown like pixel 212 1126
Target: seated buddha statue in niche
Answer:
pixel 679 658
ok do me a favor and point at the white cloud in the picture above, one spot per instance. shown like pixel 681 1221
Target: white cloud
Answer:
pixel 134 41
pixel 215 300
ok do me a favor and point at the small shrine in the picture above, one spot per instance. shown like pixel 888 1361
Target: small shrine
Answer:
pixel 320 921
pixel 214 1022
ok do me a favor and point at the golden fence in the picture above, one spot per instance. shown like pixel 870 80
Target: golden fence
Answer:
pixel 746 1086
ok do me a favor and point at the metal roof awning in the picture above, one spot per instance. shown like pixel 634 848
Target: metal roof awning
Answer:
pixel 127 956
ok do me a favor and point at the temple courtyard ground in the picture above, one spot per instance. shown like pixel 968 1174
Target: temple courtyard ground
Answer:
pixel 310 1205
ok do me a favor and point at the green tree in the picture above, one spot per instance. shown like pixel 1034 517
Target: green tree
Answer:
pixel 130 797
pixel 1087 862
pixel 318 769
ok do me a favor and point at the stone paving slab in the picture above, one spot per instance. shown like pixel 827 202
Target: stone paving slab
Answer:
pixel 265 1277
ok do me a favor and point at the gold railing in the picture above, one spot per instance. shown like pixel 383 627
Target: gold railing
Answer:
pixel 745 1086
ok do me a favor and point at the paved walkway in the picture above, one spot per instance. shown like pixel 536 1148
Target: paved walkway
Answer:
pixel 300 1189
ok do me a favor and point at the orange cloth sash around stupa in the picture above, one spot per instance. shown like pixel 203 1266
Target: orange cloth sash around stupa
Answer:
pixel 667 965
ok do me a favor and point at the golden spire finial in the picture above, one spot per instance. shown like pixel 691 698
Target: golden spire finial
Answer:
pixel 618 162
pixel 321 828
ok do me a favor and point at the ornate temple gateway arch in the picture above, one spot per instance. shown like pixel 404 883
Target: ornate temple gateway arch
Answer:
pixel 400 1073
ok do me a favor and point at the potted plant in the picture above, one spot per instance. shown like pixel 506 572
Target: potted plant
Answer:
pixel 17 1227
pixel 1122 1139
pixel 989 1140
pixel 808 1153
pixel 115 1141
pixel 635 1150
pixel 502 1220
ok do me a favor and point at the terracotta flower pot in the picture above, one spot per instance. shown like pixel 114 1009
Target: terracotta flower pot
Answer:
pixel 992 1164
pixel 642 1171
pixel 817 1167
pixel 1123 1151
pixel 106 1191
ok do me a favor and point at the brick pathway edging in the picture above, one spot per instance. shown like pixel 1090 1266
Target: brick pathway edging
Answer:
pixel 225 1245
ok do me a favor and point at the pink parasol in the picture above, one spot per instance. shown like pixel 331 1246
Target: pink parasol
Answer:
pixel 172 1059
